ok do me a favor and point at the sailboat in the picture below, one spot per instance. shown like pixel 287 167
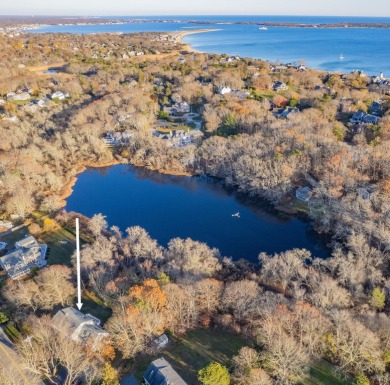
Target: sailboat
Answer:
pixel 341 57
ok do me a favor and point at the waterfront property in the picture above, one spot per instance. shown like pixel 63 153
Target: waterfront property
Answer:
pixel 28 253
pixel 303 194
pixel 79 327
pixel 160 372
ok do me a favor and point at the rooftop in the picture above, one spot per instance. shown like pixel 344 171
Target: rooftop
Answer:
pixel 160 372
pixel 28 253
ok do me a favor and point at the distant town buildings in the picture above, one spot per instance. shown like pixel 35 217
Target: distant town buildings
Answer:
pixel 59 95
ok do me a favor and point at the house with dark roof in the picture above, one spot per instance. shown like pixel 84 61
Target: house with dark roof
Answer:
pixel 80 327
pixel 360 117
pixel 376 108
pixel 160 372
pixel 28 253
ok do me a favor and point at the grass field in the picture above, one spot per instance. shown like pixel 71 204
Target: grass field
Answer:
pixel 93 305
pixel 324 373
pixel 60 253
pixel 187 354
pixel 14 236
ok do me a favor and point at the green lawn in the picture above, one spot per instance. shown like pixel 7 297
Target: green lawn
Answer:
pixel 93 305
pixel 60 253
pixel 191 352
pixel 300 206
pixel 266 94
pixel 14 236
pixel 324 373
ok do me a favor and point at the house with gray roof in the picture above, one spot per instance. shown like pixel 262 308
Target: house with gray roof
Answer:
pixel 287 113
pixel 280 86
pixel 160 372
pixel 80 327
pixel 28 253
pixel 360 117
pixel 303 194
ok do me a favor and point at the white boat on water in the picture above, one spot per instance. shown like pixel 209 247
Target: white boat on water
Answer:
pixel 237 215
pixel 263 28
pixel 341 57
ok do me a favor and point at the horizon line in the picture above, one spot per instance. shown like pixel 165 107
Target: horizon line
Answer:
pixel 194 15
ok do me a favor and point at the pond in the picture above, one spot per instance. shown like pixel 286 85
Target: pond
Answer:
pixel 169 206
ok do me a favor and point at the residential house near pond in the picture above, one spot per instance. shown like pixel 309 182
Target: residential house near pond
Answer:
pixel 28 253
pixel 80 327
pixel 160 372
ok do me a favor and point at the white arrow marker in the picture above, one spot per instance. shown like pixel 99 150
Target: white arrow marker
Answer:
pixel 79 304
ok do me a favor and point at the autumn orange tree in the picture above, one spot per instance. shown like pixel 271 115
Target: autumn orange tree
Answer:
pixel 138 317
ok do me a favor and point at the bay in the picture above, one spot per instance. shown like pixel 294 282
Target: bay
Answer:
pixel 319 48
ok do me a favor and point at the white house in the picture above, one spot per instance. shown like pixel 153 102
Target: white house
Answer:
pixel 28 253
pixel 22 96
pixel 59 95
pixel 224 90
pixel 80 327
pixel 6 224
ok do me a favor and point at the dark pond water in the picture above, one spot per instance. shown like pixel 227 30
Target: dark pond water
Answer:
pixel 177 206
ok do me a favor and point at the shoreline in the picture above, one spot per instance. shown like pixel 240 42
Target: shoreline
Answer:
pixel 67 190
pixel 85 21
pixel 187 46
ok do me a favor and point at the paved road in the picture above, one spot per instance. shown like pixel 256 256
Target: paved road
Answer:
pixel 8 360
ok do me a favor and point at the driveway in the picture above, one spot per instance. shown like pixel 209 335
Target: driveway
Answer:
pixel 8 360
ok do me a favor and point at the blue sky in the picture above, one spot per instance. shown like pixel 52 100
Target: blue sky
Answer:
pixel 196 7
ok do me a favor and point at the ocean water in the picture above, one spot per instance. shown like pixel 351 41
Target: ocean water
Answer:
pixel 366 49
pixel 170 206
